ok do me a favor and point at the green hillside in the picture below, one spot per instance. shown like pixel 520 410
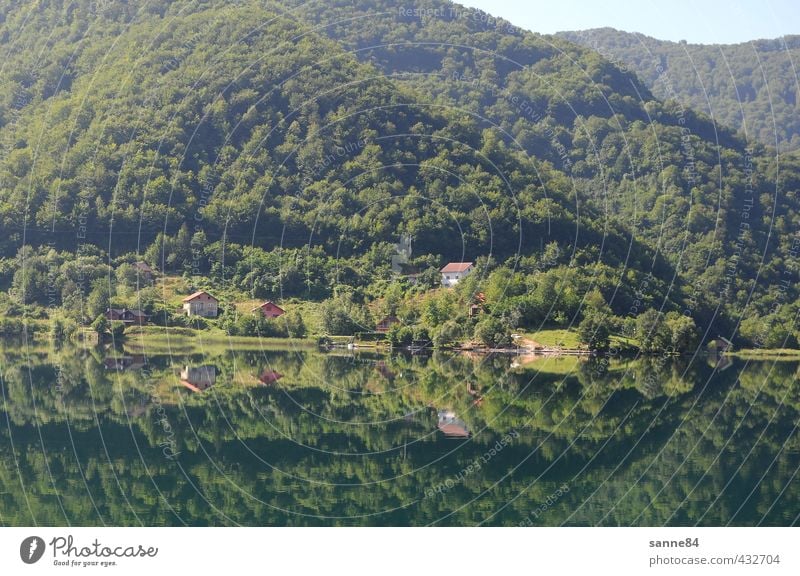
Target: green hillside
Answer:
pixel 281 149
pixel 751 87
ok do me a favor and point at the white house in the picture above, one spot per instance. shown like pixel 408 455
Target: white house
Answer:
pixel 455 271
pixel 201 304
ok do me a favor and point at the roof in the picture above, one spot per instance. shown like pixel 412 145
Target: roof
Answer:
pixel 197 294
pixel 133 311
pixel 268 303
pixel 270 376
pixel 454 430
pixel 456 267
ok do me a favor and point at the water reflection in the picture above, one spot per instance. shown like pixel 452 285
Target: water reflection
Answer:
pixel 303 437
pixel 452 426
pixel 199 378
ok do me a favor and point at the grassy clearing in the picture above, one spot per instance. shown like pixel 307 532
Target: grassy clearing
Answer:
pixel 766 354
pixel 157 339
pixel 555 338
pixel 568 339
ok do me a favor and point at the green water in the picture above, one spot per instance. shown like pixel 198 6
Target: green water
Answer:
pixel 308 438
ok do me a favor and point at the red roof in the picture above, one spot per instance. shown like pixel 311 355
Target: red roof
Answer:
pixel 268 304
pixel 197 294
pixel 456 267
pixel 454 430
pixel 270 376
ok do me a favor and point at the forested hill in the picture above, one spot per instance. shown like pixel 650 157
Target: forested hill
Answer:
pixel 688 187
pixel 285 147
pixel 752 87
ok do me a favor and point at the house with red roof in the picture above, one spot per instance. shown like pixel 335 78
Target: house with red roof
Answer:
pixel 201 303
pixel 270 310
pixel 454 272
pixel 386 323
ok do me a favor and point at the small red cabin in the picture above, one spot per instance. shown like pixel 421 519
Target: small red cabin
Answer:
pixel 386 323
pixel 270 310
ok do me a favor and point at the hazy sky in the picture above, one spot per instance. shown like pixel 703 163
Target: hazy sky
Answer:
pixel 697 21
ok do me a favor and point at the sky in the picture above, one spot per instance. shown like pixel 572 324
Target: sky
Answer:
pixel 696 21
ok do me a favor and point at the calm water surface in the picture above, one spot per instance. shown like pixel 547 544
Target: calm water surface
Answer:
pixel 309 438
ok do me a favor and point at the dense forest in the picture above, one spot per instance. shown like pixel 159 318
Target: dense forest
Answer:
pixel 282 149
pixel 751 87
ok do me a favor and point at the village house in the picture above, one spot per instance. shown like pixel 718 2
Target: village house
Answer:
pixel 270 310
pixel 454 272
pixel 145 271
pixel 126 316
pixel 477 304
pixel 386 323
pixel 201 303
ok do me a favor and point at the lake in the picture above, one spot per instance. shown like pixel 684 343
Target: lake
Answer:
pixel 301 437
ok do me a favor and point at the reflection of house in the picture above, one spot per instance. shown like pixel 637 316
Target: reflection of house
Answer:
pixel 201 303
pixel 718 350
pixel 124 363
pixel 126 316
pixel 270 310
pixel 454 272
pixel 270 376
pixel 386 323
pixel 721 345
pixel 199 378
pixel 383 370
pixel 451 426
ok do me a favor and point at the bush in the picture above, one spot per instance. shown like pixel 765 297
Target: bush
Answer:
pixel 449 333
pixel 11 327
pixel 61 329
pixel 117 328
pixel 295 326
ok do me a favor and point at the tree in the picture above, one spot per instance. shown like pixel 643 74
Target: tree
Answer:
pixel 99 298
pixel 448 333
pixel 493 332
pixel 100 324
pixel 594 332
pixel 684 337
pixel 652 333
pixel 595 328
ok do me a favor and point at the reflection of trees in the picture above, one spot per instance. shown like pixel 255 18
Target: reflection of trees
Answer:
pixel 251 449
